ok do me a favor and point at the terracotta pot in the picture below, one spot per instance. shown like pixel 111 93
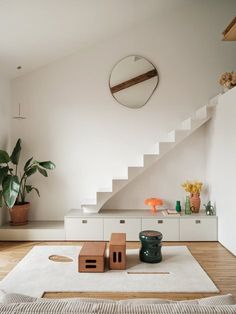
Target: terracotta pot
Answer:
pixel 195 202
pixel 19 214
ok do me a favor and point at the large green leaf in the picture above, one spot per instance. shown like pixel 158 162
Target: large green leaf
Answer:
pixel 43 172
pixel 15 156
pixel 37 191
pixel 47 165
pixel 11 187
pixel 4 157
pixel 31 171
pixel 3 173
pixel 27 163
pixel 1 203
pixel 30 188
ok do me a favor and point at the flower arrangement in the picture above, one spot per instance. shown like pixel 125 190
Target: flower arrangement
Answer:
pixel 228 79
pixel 192 187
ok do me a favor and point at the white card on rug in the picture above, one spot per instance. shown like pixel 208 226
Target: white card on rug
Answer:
pixel 36 273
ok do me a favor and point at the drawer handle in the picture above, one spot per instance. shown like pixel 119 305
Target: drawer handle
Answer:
pixel 84 221
pixel 197 221
pixel 160 221
pixel 122 221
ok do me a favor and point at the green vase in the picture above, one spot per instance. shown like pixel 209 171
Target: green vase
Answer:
pixel 178 207
pixel 187 206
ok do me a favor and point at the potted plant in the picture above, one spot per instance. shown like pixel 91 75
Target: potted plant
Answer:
pixel 14 186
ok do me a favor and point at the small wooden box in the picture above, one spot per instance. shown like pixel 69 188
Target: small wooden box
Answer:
pixel 92 257
pixel 117 251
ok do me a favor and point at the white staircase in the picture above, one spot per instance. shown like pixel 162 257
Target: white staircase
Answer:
pixel 187 127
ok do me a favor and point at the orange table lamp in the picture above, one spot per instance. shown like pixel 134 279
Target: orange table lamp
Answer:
pixel 153 202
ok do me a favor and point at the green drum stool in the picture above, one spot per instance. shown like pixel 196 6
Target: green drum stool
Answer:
pixel 150 251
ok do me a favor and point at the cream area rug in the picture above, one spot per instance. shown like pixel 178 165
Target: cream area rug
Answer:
pixel 36 273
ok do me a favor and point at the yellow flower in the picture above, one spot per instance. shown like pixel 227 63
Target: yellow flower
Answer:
pixel 192 187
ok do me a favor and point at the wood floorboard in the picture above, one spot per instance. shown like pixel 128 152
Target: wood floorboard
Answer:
pixel 219 263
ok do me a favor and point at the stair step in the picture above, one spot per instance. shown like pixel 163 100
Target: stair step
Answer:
pixel 196 123
pixel 90 208
pixel 118 184
pixel 105 190
pixel 120 178
pixel 178 135
pixel 214 101
pixel 201 113
pixel 164 147
pixel 185 125
pixel 134 171
pixel 101 196
pixel 149 159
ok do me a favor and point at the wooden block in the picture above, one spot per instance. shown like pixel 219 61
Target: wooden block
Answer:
pixel 92 257
pixel 117 251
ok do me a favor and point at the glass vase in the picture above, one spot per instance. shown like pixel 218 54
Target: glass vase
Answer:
pixel 187 206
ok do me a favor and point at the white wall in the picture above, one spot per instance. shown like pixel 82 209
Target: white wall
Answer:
pixel 4 120
pixel 73 120
pixel 221 167
pixel 4 111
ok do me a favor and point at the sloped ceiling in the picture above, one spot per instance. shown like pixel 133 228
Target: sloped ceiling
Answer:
pixel 34 33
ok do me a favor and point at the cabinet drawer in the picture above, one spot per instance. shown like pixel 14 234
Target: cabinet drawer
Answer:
pixel 84 229
pixel 198 229
pixel 130 226
pixel 168 227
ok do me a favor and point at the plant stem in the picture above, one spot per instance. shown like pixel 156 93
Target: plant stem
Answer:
pixel 23 192
pixel 9 168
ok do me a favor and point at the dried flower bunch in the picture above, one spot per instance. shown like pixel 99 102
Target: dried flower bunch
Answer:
pixel 228 79
pixel 192 187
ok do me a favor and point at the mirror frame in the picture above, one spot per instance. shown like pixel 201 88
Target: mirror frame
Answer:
pixel 158 79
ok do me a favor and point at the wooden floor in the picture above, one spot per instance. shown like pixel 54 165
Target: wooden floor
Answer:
pixel 212 256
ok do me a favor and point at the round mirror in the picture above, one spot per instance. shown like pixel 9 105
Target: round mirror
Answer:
pixel 133 80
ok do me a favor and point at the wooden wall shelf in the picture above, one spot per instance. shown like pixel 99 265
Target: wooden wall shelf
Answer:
pixel 230 32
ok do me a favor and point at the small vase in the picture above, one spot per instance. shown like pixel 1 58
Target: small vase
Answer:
pixel 187 206
pixel 178 207
pixel 195 202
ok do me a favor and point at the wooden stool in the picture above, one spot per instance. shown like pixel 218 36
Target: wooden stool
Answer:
pixel 92 257
pixel 117 251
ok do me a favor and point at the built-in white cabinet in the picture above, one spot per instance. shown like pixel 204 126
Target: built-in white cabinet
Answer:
pixel 168 227
pixel 84 229
pixel 198 229
pixel 130 226
pixel 79 226
pixel 100 226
